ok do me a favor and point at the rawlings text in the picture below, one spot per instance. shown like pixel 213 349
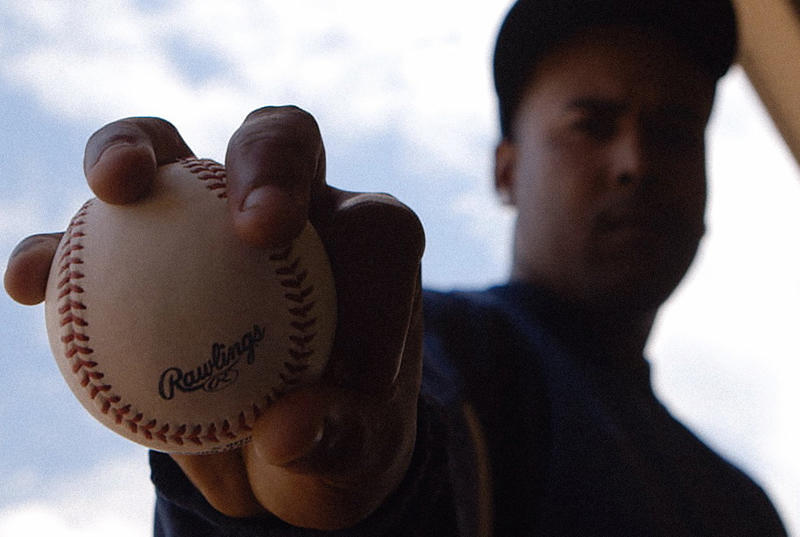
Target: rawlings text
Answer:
pixel 215 374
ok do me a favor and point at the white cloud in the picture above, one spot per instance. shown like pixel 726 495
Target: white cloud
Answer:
pixel 16 215
pixel 362 66
pixel 112 497
pixel 726 347
pixel 489 222
pixel 42 520
pixel 20 213
pixel 26 215
pixel 353 63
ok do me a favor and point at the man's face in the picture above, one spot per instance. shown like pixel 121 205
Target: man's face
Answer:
pixel 606 166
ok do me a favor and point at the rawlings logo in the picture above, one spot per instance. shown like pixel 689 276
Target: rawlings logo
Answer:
pixel 215 374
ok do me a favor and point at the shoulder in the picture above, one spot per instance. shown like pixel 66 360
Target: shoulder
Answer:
pixel 461 307
pixel 495 317
pixel 459 322
pixel 454 343
pixel 439 305
pixel 472 336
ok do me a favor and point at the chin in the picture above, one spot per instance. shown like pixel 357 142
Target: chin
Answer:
pixel 642 278
pixel 639 286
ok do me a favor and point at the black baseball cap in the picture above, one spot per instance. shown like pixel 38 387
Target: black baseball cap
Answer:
pixel 707 29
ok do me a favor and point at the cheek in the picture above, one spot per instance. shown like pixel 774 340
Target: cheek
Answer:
pixel 564 170
pixel 690 191
pixel 555 208
pixel 685 166
pixel 557 185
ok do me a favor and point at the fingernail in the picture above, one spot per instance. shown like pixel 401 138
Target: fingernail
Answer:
pixel 21 247
pixel 32 241
pixel 320 433
pixel 113 144
pixel 256 198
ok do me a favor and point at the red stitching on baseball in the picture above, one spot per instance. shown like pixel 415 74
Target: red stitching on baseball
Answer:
pixel 133 424
pixel 281 255
pixel 70 289
pixel 178 436
pixel 81 364
pixel 74 350
pixel 208 170
pixel 303 326
pixel 73 319
pixel 302 311
pixel 297 281
pixel 119 413
pixel 95 389
pixel 226 430
pixel 162 433
pixel 291 269
pixel 291 277
pixel 71 305
pixel 300 356
pixel 301 296
pixel 69 338
pixel 278 392
pixel 289 380
pixel 303 340
pixel 69 276
pixel 146 428
pixel 295 369
pixel 195 435
pixel 70 260
pixel 298 351
pixel 77 343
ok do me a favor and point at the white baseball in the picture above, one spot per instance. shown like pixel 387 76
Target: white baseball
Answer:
pixel 171 331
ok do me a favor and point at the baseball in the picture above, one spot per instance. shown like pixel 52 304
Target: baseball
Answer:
pixel 171 331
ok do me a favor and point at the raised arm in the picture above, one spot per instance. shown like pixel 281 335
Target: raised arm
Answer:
pixel 324 456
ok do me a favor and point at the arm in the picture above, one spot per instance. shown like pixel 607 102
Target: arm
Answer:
pixel 325 456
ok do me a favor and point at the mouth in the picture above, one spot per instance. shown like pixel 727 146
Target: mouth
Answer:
pixel 631 221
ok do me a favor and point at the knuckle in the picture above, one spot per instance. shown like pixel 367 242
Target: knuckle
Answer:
pixel 383 219
pixel 160 132
pixel 286 112
pixel 287 126
pixel 157 133
pixel 121 132
pixel 42 241
pixel 26 274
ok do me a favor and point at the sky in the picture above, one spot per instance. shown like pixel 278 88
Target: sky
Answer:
pixel 403 96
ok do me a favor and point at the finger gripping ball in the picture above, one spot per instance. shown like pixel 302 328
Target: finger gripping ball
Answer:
pixel 170 330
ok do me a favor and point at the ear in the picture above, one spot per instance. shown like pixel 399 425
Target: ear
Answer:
pixel 505 160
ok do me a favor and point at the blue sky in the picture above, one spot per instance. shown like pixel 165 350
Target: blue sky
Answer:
pixel 403 96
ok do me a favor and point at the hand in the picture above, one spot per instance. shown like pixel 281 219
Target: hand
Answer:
pixel 324 456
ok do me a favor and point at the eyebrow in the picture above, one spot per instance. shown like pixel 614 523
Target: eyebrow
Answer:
pixel 610 107
pixel 597 105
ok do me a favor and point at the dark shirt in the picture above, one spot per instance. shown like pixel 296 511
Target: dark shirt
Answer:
pixel 577 444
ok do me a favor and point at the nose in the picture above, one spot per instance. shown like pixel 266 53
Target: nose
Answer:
pixel 629 158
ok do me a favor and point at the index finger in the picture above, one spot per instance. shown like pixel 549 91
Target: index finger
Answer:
pixel 121 158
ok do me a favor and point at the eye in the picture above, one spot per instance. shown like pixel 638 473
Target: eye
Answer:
pixel 677 127
pixel 677 134
pixel 597 127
